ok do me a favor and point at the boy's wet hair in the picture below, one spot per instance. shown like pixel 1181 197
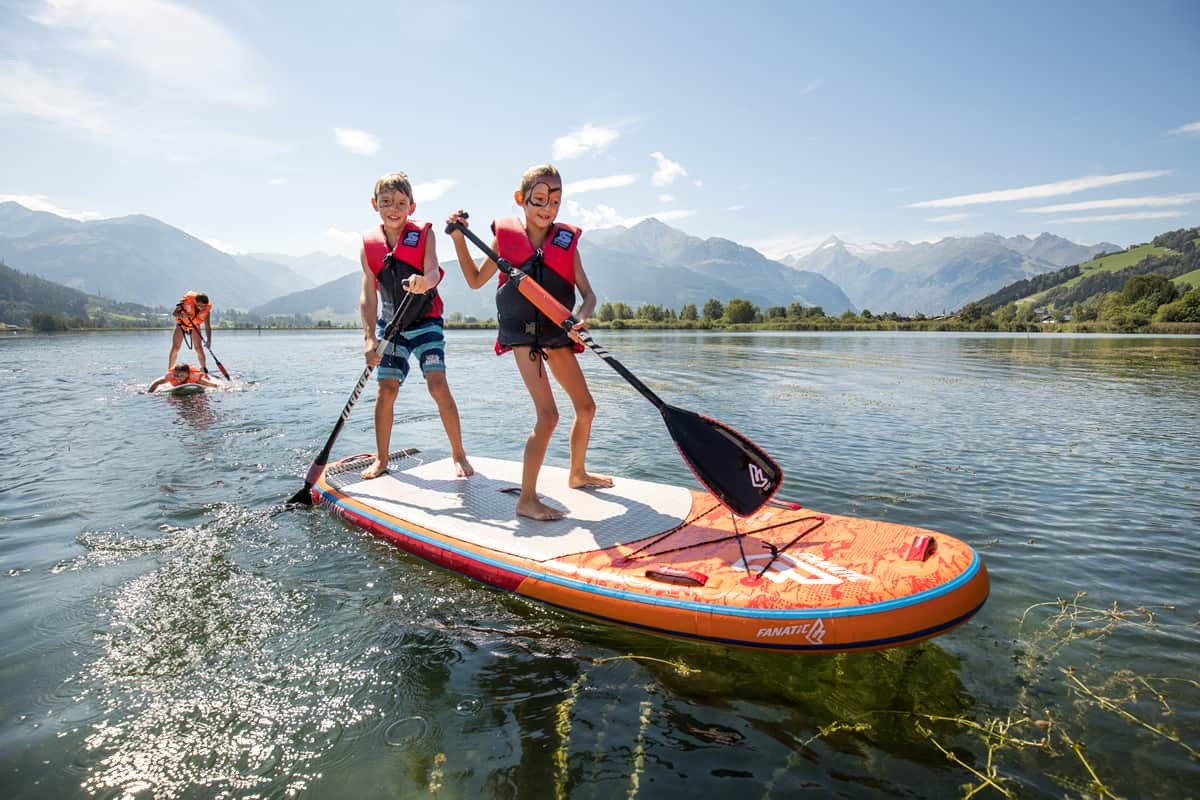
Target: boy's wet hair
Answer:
pixel 182 366
pixel 202 299
pixel 535 175
pixel 393 182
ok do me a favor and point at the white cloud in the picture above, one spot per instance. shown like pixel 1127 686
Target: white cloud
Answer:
pixel 277 181
pixel 607 217
pixel 1120 217
pixel 666 198
pixel 28 91
pixel 812 86
pixel 666 171
pixel 60 99
pixel 424 192
pixel 39 202
pixel 596 184
pixel 583 141
pixel 1041 190
pixel 736 208
pixel 1191 127
pixel 162 43
pixel 358 142
pixel 1120 202
pixel 347 242
pixel 950 217
pixel 599 217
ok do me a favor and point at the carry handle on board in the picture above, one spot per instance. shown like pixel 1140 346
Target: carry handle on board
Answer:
pixel 738 472
pixel 304 496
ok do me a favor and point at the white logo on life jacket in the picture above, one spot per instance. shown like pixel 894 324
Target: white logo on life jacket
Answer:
pixel 411 238
pixel 804 568
pixel 813 631
pixel 758 478
pixel 563 239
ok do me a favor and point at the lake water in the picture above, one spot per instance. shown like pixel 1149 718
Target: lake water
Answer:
pixel 166 633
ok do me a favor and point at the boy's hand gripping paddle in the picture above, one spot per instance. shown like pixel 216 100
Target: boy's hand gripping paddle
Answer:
pixel 736 470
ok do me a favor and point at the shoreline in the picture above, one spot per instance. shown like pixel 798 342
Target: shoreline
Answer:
pixel 890 326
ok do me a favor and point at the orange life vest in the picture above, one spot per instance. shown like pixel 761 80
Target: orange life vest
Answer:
pixel 187 316
pixel 194 375
pixel 407 259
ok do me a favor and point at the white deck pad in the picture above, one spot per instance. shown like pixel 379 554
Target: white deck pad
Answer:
pixel 423 489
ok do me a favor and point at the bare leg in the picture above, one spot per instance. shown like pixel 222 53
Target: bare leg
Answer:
pixel 176 343
pixel 567 372
pixel 439 390
pixel 385 404
pixel 198 343
pixel 529 504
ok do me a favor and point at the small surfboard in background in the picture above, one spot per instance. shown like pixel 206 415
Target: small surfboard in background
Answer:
pixel 671 560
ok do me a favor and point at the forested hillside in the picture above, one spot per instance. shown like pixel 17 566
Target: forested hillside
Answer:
pixel 29 301
pixel 1159 281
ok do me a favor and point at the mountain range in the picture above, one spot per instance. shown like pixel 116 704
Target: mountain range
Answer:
pixel 140 259
pixel 648 263
pixel 144 260
pixel 934 278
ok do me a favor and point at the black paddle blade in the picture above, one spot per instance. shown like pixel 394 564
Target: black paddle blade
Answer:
pixel 736 470
pixel 302 497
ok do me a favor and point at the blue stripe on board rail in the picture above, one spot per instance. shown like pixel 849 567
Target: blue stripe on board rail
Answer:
pixel 687 605
pixel 763 644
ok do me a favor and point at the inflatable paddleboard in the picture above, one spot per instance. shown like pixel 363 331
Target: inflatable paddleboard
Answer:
pixel 670 560
pixel 184 389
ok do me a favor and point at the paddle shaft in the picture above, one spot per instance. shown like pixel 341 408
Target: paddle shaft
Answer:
pixel 304 496
pixel 220 366
pixel 557 312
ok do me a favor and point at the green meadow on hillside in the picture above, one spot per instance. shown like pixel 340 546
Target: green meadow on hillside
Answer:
pixel 1112 262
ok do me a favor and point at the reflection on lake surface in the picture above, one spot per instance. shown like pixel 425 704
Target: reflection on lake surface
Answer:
pixel 166 634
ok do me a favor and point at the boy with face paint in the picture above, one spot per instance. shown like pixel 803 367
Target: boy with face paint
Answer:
pixel 547 251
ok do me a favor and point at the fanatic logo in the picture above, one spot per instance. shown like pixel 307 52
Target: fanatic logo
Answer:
pixel 758 479
pixel 412 238
pixel 813 631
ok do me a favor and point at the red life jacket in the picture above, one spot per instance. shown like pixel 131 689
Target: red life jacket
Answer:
pixel 409 253
pixel 520 323
pixel 558 251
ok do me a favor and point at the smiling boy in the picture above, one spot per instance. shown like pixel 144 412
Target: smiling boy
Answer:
pixel 400 270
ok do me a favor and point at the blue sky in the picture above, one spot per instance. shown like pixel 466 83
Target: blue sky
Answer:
pixel 261 126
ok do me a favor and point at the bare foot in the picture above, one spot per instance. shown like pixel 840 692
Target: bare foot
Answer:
pixel 462 467
pixel 587 481
pixel 376 469
pixel 536 509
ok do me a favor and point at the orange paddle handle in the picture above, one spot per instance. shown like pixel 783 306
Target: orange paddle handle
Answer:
pixel 546 303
